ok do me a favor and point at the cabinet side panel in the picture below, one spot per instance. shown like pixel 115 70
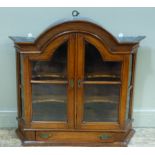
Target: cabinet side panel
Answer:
pixel 18 77
pixel 22 87
pixel 132 82
pixel 130 87
pixel 124 91
pixel 26 90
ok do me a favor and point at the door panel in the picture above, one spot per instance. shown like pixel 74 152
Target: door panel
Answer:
pixel 99 85
pixel 52 93
pixel 49 100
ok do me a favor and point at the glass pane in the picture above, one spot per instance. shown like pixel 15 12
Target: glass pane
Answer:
pixel 130 71
pixel 54 69
pixel 98 69
pixel 49 102
pixel 101 103
pixel 128 104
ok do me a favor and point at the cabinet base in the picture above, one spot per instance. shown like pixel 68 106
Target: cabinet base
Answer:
pixel 123 143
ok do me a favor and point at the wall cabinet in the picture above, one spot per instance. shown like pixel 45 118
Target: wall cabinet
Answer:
pixel 75 86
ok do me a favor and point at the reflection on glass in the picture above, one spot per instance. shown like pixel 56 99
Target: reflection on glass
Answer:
pixel 98 69
pixel 53 69
pixel 129 88
pixel 128 105
pixel 130 71
pixel 49 102
pixel 101 103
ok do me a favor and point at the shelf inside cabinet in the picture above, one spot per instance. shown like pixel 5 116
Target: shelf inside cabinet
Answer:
pixel 62 99
pixel 101 82
pixel 48 76
pixel 97 75
pixel 101 78
pixel 102 99
pixel 49 82
pixel 49 98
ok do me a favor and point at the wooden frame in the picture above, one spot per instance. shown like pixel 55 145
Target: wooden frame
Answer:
pixel 70 106
pixel 108 57
pixel 84 133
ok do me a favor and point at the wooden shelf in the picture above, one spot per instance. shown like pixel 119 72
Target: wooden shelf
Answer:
pixel 49 98
pixel 102 75
pixel 66 82
pixel 49 81
pixel 102 99
pixel 63 76
pixel 48 75
pixel 101 82
pixel 62 99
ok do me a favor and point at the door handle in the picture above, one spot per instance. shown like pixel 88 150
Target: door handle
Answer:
pixel 71 83
pixel 105 136
pixel 79 83
pixel 45 135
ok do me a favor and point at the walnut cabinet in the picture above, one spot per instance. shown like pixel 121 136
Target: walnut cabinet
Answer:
pixel 75 86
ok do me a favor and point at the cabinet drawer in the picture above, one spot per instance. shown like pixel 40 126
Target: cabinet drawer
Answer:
pixel 77 136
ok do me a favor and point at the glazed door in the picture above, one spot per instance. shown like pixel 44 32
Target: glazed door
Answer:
pixel 98 85
pixel 52 85
pixel 74 83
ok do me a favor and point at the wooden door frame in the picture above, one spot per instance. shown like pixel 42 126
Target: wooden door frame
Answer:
pixel 45 55
pixel 106 55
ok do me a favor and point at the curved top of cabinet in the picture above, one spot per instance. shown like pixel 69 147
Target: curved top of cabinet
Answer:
pixel 120 45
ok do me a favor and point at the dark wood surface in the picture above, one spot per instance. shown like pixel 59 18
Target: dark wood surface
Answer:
pixel 86 133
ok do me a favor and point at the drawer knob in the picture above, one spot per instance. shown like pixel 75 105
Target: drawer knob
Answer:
pixel 45 135
pixel 105 136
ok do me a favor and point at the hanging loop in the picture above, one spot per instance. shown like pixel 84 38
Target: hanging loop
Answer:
pixel 75 13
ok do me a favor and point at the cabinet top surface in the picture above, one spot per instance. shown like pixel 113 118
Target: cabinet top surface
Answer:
pixel 20 39
pixel 130 39
pixel 76 24
pixel 124 39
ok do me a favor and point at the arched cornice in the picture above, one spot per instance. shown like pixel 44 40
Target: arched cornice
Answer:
pixel 114 45
pixel 75 26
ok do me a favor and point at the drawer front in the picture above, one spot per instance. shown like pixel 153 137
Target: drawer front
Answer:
pixel 78 136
